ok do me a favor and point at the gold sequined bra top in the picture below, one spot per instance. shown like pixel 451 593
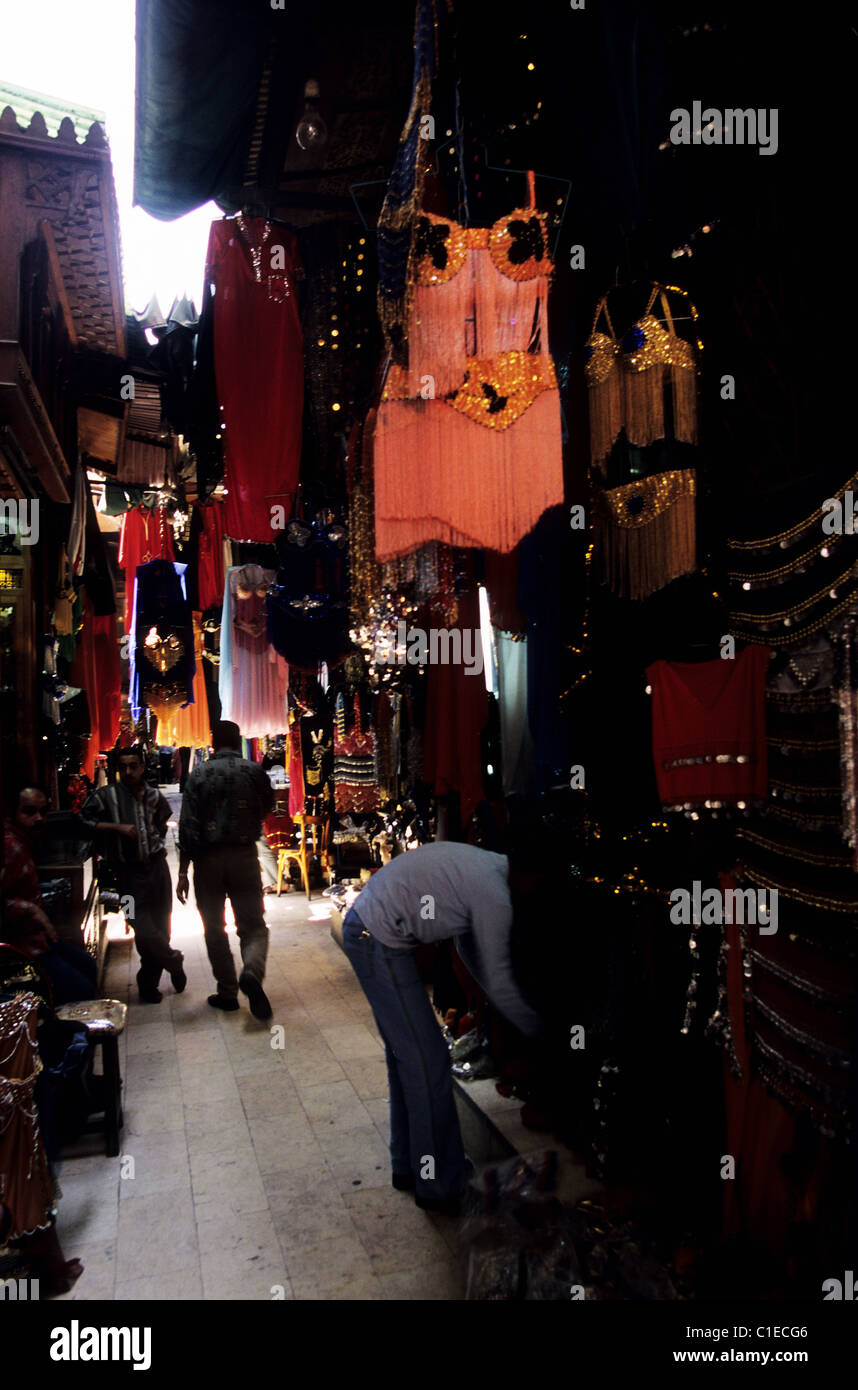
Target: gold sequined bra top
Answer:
pixel 495 386
pixel 648 343
pixel 517 244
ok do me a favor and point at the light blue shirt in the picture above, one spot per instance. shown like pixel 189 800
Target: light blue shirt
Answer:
pixel 444 890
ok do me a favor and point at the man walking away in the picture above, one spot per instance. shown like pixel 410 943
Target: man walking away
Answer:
pixel 130 820
pixel 225 802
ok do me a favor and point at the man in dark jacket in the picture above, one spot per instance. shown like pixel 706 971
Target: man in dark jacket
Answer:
pixel 130 820
pixel 224 804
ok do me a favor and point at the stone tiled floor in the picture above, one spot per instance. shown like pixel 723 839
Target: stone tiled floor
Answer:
pixel 250 1170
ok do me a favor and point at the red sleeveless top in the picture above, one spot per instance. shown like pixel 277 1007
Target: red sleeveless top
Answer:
pixel 709 728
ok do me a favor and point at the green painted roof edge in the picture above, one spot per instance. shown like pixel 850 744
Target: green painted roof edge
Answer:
pixel 25 102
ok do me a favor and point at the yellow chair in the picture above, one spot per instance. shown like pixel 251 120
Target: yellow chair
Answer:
pixel 313 834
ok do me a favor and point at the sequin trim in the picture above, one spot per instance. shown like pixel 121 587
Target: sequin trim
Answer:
pixel 709 758
pixel 655 495
pixel 517 244
pixel 497 390
pixel 650 343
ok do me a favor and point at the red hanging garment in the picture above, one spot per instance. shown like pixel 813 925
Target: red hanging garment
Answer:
pixel 96 669
pixel 144 535
pixel 259 367
pixel 709 728
pixel 296 770
pixel 457 711
pixel 108 691
pixel 210 554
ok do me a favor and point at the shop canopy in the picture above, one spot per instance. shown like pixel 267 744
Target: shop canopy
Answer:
pixel 220 88
pixel 199 65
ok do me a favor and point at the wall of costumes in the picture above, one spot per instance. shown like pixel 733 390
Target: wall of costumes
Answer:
pixel 379 428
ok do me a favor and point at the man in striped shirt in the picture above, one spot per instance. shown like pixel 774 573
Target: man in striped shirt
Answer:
pixel 130 820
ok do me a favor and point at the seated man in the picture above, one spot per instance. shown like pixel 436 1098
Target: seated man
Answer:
pixel 26 926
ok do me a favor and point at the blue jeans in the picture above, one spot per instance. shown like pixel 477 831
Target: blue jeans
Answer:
pixel 425 1139
pixel 71 971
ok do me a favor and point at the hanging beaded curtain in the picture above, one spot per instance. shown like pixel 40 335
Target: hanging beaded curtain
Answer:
pixel 355 763
pixel 341 341
pixel 645 532
pixel 846 691
pixel 364 582
pixel 396 224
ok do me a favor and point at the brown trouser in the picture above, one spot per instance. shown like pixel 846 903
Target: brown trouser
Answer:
pixel 231 871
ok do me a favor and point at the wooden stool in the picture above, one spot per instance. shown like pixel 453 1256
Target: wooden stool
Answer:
pixel 104 1020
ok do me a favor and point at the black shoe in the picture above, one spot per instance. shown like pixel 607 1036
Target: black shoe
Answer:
pixel 149 996
pixel 257 998
pixel 403 1182
pixel 444 1206
pixel 178 976
pixel 220 1001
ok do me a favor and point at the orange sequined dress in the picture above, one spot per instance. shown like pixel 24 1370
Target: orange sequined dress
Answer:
pixel 188 727
pixel 468 440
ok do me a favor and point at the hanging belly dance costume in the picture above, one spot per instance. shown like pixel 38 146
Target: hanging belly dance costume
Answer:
pixel 468 440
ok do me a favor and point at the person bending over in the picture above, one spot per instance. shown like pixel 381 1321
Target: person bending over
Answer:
pixel 431 893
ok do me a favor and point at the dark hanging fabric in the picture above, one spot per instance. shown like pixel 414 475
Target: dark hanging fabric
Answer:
pixel 502 575
pixel 204 432
pixel 317 758
pixel 121 497
pixel 199 65
pixel 173 358
pixel 98 575
pixel 164 666
pixel 308 616
pixel 144 535
pixel 404 196
pixel 341 342
pixel 187 551
pixel 543 596
pixel 211 659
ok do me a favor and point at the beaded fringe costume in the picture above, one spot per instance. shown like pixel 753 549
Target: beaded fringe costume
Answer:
pixel 25 1185
pixel 627 379
pixel 468 445
pixel 645 532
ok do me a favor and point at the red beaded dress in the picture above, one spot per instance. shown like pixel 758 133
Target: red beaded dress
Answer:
pixel 252 269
